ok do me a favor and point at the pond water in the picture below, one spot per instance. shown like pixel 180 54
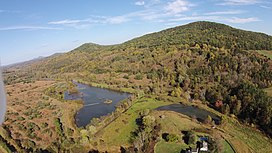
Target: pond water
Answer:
pixel 191 111
pixel 97 102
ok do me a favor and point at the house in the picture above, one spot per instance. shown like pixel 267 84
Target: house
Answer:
pixel 192 150
pixel 201 145
pixel 204 146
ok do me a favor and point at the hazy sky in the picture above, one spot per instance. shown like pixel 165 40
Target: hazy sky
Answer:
pixel 32 28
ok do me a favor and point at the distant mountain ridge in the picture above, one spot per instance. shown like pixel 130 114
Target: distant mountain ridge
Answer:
pixel 201 32
pixel 20 64
pixel 29 62
pixel 210 33
pixel 194 34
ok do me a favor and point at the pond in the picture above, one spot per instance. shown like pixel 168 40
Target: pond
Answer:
pixel 191 111
pixel 97 102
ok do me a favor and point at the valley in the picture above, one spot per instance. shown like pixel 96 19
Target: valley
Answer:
pixel 165 91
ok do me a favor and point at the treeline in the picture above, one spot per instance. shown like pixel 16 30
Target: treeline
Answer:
pixel 256 106
pixel 231 81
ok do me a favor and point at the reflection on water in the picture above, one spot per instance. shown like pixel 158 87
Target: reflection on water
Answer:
pixel 94 105
pixel 191 111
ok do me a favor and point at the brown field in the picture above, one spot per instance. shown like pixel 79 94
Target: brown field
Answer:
pixel 31 113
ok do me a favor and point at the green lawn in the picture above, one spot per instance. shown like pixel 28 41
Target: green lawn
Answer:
pixel 175 123
pixel 169 147
pixel 227 147
pixel 266 53
pixel 118 132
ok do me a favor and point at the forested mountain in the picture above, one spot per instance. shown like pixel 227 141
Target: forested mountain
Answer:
pixel 211 62
pixel 210 33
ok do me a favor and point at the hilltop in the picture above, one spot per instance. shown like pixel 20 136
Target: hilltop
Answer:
pixel 210 33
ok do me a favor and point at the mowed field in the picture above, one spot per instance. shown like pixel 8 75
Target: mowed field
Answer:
pixel 266 53
pixel 31 114
pixel 246 139
pixel 118 132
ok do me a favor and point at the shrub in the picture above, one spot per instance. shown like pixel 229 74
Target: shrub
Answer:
pixel 190 138
pixel 172 138
pixel 126 77
pixel 138 76
pixel 44 125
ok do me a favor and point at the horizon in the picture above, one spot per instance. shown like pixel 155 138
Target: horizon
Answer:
pixel 114 44
pixel 33 29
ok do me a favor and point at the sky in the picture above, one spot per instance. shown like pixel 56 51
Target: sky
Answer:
pixel 33 28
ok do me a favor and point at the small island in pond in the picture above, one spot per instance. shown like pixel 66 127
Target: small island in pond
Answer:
pixel 107 101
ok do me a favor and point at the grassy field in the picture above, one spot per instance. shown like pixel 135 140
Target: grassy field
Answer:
pixel 266 53
pixel 169 147
pixel 118 132
pixel 115 135
pixel 246 139
pixel 227 147
pixel 174 123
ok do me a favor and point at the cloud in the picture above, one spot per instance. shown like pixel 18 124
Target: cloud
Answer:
pixel 242 20
pixel 79 23
pixel 194 18
pixel 116 19
pixel 215 18
pixel 28 28
pixel 86 23
pixel 151 3
pixel 10 11
pixel 153 10
pixel 65 22
pixel 177 6
pixel 230 12
pixel 266 7
pixel 140 3
pixel 240 2
pixel 83 23
pixel 161 12
pixel 172 24
pixel 98 20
